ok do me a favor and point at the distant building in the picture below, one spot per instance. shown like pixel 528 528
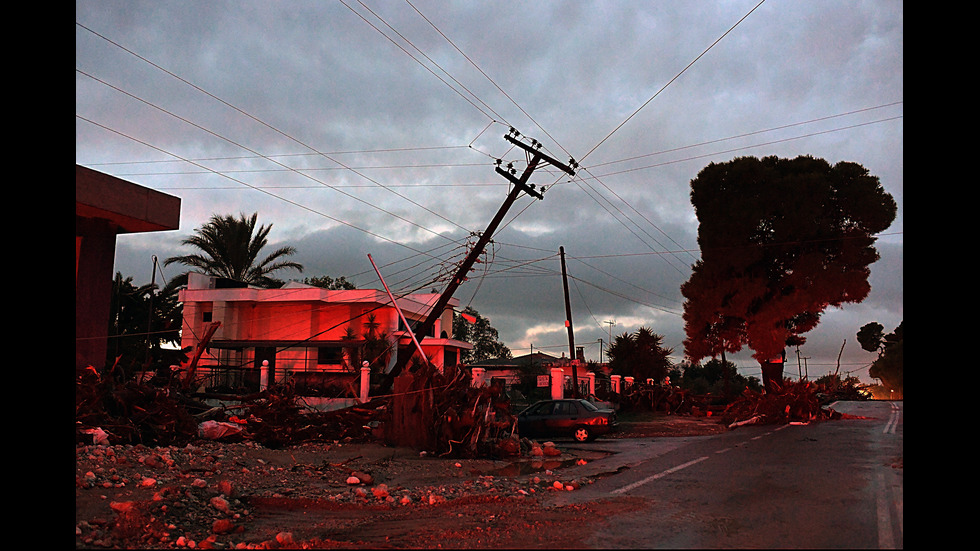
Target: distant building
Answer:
pixel 513 370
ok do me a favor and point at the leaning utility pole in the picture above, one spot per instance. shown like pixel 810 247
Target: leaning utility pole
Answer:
pixel 568 324
pixel 534 158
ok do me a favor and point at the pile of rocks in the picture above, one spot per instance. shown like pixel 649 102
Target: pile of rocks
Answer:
pixel 204 495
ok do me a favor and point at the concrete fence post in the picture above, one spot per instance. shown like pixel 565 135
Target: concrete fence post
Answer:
pixel 264 376
pixel 365 383
pixel 557 383
pixel 616 381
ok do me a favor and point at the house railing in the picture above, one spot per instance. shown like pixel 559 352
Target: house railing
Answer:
pixel 235 379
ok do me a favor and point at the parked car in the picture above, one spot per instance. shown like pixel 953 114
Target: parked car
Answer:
pixel 580 419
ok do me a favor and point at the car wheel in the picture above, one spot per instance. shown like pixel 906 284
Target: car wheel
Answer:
pixel 581 434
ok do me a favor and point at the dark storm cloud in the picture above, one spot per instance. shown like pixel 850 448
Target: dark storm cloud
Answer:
pixel 359 128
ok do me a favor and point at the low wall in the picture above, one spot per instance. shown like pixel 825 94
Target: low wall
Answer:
pixel 306 402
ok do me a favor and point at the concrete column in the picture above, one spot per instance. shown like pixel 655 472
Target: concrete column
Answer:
pixel 220 311
pixel 591 376
pixel 478 377
pixel 557 383
pixel 365 383
pixel 629 383
pixel 616 383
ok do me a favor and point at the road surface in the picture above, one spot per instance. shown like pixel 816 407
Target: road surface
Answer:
pixel 829 484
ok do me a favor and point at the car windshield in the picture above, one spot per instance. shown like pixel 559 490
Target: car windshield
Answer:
pixel 588 405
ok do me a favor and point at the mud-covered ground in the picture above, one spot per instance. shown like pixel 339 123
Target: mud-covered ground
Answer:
pixel 338 495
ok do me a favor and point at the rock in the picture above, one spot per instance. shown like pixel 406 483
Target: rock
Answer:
pixel 365 478
pixel 550 450
pixel 285 539
pixel 226 487
pixel 380 491
pixel 223 526
pixel 122 507
pixel 220 504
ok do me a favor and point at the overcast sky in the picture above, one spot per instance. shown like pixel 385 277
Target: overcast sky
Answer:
pixel 373 127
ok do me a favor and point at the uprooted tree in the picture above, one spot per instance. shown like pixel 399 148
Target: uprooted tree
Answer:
pixel 781 240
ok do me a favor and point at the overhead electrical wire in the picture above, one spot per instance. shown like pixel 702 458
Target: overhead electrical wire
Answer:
pixel 311 148
pixel 495 114
pixel 246 184
pixel 610 134
pixel 263 123
pixel 664 87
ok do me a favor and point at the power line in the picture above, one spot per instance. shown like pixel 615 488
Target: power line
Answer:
pixel 291 202
pixel 695 60
pixel 373 26
pixel 250 117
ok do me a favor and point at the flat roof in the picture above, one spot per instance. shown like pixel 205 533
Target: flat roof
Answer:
pixel 131 207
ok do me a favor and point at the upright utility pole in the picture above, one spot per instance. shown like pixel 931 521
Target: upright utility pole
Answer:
pixel 149 315
pixel 568 324
pixel 535 157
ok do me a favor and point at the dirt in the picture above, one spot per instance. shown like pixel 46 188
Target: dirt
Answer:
pixel 353 495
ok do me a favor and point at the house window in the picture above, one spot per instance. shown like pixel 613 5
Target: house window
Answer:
pixel 330 355
pixel 207 316
pixel 451 358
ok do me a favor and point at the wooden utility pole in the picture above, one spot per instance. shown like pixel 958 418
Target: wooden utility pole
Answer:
pixel 568 325
pixel 535 157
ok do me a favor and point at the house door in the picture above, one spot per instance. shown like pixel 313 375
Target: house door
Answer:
pixel 266 353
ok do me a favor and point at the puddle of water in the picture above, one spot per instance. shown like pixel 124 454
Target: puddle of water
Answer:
pixel 523 467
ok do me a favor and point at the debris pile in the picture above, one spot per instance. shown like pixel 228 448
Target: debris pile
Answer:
pixel 110 412
pixel 795 402
pixel 441 414
pixel 446 415
pixel 669 399
pixel 132 412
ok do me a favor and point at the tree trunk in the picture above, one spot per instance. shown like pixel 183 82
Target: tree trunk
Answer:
pixel 772 374
pixel 726 376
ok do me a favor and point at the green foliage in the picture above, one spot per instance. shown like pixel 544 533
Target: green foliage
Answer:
pixel 371 345
pixel 230 247
pixel 327 282
pixel 481 335
pixel 889 367
pixel 640 355
pixel 139 346
pixel 781 240
pixel 870 337
pixel 720 379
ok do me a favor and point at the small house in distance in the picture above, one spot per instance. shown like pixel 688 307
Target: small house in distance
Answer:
pixel 536 376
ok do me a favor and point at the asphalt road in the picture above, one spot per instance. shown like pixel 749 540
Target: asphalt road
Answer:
pixel 829 484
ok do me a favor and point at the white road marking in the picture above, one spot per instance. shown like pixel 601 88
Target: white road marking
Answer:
pixel 661 474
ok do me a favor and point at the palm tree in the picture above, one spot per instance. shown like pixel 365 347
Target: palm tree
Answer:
pixel 230 248
pixel 640 355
